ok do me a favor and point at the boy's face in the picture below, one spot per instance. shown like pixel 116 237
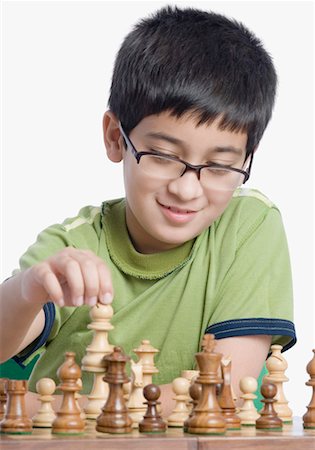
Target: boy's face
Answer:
pixel 162 214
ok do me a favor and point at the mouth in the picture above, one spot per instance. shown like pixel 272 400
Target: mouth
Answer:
pixel 177 215
pixel 177 210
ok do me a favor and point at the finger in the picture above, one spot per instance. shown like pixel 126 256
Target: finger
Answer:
pixel 44 276
pixel 106 292
pixel 91 281
pixel 70 269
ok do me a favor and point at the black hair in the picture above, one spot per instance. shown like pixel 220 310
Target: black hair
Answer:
pixel 193 61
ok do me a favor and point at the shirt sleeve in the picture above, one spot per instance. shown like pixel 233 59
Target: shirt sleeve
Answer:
pixel 255 296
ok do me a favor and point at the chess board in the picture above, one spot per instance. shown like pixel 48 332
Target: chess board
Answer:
pixel 292 437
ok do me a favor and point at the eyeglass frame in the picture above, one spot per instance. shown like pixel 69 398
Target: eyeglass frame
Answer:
pixel 195 168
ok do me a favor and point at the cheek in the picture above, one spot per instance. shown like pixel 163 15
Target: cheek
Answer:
pixel 137 183
pixel 219 198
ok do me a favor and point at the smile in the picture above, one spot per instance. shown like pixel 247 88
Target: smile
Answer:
pixel 177 215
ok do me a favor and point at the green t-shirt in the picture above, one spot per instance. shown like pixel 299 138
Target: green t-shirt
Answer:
pixel 234 279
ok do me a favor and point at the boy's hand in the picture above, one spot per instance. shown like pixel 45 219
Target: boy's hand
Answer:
pixel 71 277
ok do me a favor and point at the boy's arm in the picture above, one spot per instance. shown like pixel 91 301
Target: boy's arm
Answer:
pixel 21 322
pixel 248 354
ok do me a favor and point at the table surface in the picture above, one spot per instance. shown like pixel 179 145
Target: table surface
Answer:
pixel 292 437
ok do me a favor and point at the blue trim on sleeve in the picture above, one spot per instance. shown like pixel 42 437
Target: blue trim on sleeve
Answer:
pixel 49 310
pixel 246 327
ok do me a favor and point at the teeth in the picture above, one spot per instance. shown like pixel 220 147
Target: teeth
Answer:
pixel 178 210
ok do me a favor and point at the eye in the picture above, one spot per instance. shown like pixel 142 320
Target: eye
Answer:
pixel 218 171
pixel 159 159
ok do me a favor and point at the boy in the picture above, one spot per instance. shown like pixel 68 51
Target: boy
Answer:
pixel 186 252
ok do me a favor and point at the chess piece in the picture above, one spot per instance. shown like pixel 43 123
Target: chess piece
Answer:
pixel 15 420
pixel 95 352
pixel 114 417
pixel 180 412
pixel 269 419
pixel 207 417
pixel 276 366
pixel 146 353
pixel 194 393
pixel 190 374
pixel 136 402
pixel 248 413
pixel 152 422
pixel 45 416
pixel 3 397
pixel 68 420
pixel 309 416
pixel 77 397
pixel 225 399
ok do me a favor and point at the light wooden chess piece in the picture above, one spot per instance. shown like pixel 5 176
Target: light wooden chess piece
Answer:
pixel 206 417
pixel 15 420
pixel 225 398
pixel 248 413
pixel 268 419
pixel 114 417
pixel 276 366
pixel 146 353
pixel 45 416
pixel 309 416
pixel 68 419
pixel 77 397
pixel 136 405
pixel 180 412
pixel 92 362
pixel 3 397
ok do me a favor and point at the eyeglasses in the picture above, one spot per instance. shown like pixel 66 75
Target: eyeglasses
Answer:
pixel 169 167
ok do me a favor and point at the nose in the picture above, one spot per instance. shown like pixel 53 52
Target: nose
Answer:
pixel 186 187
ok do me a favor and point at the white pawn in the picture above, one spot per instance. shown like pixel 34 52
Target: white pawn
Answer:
pixel 45 416
pixel 248 413
pixel 180 413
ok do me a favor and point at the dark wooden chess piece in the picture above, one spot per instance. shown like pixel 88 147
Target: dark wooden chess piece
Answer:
pixel 309 416
pixel 225 398
pixel 68 420
pixel 114 417
pixel 207 417
pixel 194 392
pixel 268 419
pixel 15 420
pixel 152 422
pixel 3 397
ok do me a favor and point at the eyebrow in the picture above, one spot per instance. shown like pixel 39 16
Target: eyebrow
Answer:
pixel 176 141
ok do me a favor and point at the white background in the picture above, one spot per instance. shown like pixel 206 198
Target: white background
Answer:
pixel 58 58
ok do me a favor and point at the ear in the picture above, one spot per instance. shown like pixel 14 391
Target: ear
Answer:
pixel 112 137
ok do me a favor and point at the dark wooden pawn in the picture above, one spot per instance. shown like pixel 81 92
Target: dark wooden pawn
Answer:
pixel 152 422
pixel 15 420
pixel 68 420
pixel 194 392
pixel 3 397
pixel 268 419
pixel 114 417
